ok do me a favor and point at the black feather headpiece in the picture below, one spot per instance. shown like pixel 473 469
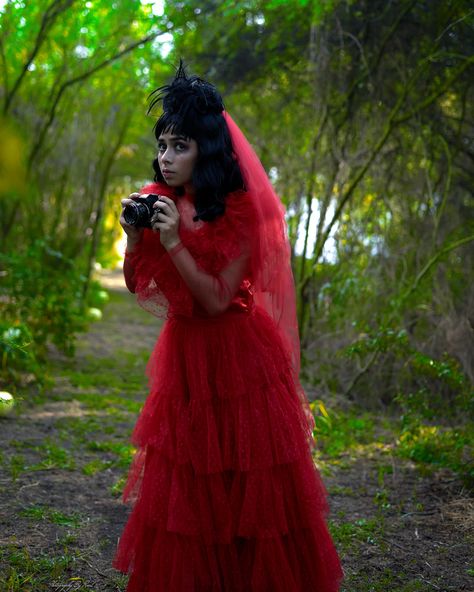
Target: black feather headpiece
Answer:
pixel 187 96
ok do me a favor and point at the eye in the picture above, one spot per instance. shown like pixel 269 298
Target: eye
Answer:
pixel 180 147
pixel 161 146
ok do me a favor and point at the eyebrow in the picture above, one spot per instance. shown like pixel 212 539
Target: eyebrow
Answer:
pixel 175 138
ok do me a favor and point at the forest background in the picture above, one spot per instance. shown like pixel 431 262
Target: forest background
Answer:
pixel 362 113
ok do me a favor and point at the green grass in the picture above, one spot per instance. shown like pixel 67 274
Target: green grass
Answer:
pixel 53 457
pixel 21 571
pixel 95 466
pixel 349 534
pixel 386 581
pixel 110 392
pixel 46 513
pixel 111 404
pixel 78 427
pixel 117 488
pixel 340 490
pixel 344 436
pixel 337 432
pixel 17 465
pixel 123 452
pixel 22 444
pixel 440 446
pixel 25 573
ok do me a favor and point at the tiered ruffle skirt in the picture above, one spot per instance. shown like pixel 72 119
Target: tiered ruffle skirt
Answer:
pixel 224 492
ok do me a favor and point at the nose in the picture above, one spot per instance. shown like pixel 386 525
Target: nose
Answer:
pixel 166 157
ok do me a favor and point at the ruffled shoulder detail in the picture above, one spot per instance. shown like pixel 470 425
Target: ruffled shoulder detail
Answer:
pixel 215 244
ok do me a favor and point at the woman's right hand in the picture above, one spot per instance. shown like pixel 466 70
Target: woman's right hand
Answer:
pixel 133 233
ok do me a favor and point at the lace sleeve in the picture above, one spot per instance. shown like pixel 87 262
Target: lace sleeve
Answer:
pixel 213 292
pixel 128 272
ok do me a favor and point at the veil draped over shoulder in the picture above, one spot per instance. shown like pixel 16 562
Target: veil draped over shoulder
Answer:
pixel 270 256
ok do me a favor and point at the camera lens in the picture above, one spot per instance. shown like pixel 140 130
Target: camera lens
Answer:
pixel 133 212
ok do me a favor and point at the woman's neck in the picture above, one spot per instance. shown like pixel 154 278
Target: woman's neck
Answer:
pixel 189 189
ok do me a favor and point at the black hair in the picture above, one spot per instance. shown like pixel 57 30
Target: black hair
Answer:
pixel 194 109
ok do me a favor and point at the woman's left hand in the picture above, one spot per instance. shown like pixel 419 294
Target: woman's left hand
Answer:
pixel 165 220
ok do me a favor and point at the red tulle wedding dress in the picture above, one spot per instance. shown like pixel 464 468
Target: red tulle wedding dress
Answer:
pixel 224 492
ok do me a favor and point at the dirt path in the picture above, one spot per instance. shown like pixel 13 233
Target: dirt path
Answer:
pixel 65 457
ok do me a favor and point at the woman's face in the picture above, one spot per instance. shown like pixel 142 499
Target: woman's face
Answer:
pixel 177 156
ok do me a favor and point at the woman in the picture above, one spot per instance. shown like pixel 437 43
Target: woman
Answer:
pixel 225 493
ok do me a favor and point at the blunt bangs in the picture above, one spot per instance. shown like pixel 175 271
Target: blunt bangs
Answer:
pixel 172 123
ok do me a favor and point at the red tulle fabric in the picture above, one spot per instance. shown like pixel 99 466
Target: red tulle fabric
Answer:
pixel 224 492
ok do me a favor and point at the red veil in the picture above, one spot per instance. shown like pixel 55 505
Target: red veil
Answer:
pixel 274 288
pixel 270 251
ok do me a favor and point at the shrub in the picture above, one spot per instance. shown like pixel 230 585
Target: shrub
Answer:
pixel 40 300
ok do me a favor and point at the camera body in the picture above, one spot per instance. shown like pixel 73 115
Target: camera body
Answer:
pixel 140 211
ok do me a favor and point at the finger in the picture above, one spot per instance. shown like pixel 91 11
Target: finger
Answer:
pixel 158 211
pixel 127 226
pixel 164 200
pixel 160 204
pixel 162 220
pixel 156 226
pixel 167 210
pixel 161 217
pixel 131 198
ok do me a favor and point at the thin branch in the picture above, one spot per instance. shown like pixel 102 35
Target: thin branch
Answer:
pixel 446 189
pixel 51 14
pixel 5 30
pixel 360 374
pixel 462 18
pixel 4 67
pixel 435 259
pixel 358 177
pixel 310 189
pixel 81 77
pixel 99 212
pixel 436 94
pixel 383 46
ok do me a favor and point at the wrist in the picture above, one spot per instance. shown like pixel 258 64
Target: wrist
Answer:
pixel 174 248
pixel 131 245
